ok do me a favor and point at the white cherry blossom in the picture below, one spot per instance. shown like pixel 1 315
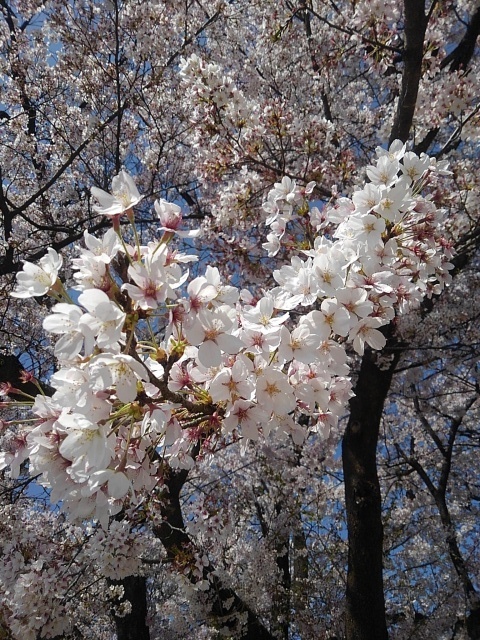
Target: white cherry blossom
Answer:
pixel 87 444
pixel 212 333
pixel 155 280
pixel 37 280
pixel 105 319
pixel 273 391
pixel 231 384
pixel 64 321
pixel 170 216
pixel 118 370
pixel 118 485
pixel 262 317
pixel 300 345
pixel 247 416
pixel 257 361
pixel 366 331
pixel 124 196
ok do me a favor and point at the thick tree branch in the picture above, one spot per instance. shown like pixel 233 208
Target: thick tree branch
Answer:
pixel 133 625
pixel 227 609
pixel 415 26
pixel 461 56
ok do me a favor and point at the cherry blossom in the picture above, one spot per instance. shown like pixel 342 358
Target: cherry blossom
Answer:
pixel 366 331
pixel 119 370
pixel 105 320
pixel 87 444
pixel 212 332
pixel 37 280
pixel 170 216
pixel 262 122
pixel 258 362
pixel 273 391
pixel 65 321
pixel 165 373
pixel 155 278
pixel 124 196
pixel 246 415
pixel 232 384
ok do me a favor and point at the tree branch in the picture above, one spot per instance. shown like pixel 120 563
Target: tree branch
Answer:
pixel 461 56
pixel 415 26
pixel 227 609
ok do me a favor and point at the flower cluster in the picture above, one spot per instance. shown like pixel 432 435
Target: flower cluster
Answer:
pixel 117 551
pixel 47 578
pixel 208 83
pixel 377 253
pixel 131 397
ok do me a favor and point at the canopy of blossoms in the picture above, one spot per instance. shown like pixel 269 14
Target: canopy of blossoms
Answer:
pixel 154 366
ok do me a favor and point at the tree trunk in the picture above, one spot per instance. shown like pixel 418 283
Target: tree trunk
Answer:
pixel 132 626
pixel 415 27
pixel 365 602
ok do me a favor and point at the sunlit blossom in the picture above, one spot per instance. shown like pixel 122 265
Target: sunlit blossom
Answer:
pixel 124 196
pixel 37 280
pixel 120 370
pixel 170 216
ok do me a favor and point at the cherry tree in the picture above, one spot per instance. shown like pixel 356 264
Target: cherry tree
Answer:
pixel 229 228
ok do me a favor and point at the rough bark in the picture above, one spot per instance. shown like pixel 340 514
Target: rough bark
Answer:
pixel 415 26
pixel 365 602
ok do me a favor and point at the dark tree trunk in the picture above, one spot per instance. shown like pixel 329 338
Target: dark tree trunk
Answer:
pixel 132 626
pixel 415 26
pixel 365 602
pixel 473 624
